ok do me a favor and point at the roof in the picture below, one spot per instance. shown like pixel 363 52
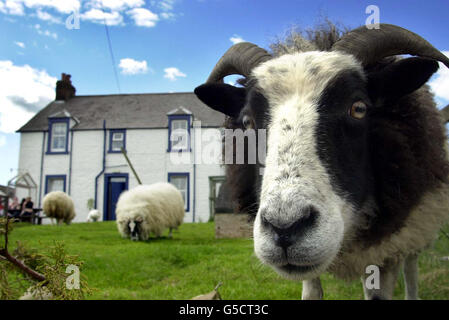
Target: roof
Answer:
pixel 125 111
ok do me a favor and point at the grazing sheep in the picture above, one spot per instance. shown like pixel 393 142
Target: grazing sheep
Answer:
pixel 93 215
pixel 59 205
pixel 356 172
pixel 149 209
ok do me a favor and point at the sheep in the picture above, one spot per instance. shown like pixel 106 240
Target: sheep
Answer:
pixel 356 170
pixel 93 215
pixel 149 209
pixel 59 205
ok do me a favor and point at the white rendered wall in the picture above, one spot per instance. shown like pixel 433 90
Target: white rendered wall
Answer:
pixel 147 150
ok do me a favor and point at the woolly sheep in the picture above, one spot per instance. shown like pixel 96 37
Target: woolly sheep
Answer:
pixel 356 171
pixel 93 215
pixel 59 205
pixel 149 209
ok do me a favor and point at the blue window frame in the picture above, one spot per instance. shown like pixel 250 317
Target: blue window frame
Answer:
pixel 181 180
pixel 55 182
pixel 117 139
pixel 179 133
pixel 58 136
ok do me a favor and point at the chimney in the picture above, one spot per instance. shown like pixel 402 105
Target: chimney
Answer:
pixel 64 88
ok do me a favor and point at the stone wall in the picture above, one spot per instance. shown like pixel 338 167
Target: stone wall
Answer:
pixel 231 225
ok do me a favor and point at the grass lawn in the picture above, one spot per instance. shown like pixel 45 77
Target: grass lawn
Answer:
pixel 193 262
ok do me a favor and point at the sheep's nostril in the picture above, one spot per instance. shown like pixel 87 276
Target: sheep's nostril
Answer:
pixel 307 219
pixel 265 222
pixel 282 240
pixel 286 236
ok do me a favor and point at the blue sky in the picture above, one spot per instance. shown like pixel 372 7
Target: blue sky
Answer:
pixel 160 45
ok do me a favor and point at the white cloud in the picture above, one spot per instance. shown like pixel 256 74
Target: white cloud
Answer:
pixel 63 6
pixel 99 16
pixel 47 33
pixel 2 140
pixel 173 73
pixel 166 5
pixel 23 91
pixel 12 7
pixel 20 44
pixel 17 7
pixel 236 39
pixel 168 15
pixel 130 66
pixel 111 12
pixel 47 17
pixel 115 5
pixel 143 17
pixel 440 82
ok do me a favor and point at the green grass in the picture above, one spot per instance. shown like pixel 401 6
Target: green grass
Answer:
pixel 193 262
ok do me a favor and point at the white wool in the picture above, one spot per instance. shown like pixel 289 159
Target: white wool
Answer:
pixel 93 216
pixel 59 205
pixel 39 293
pixel 157 207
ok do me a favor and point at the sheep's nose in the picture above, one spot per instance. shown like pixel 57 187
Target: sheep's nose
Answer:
pixel 285 235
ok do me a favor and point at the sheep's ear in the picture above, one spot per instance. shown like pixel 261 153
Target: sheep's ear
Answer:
pixel 400 78
pixel 222 97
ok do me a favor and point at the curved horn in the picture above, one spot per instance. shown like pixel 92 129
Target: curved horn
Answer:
pixel 241 58
pixel 369 46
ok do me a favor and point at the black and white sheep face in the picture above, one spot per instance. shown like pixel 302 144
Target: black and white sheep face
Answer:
pixel 315 139
pixel 135 229
pixel 317 187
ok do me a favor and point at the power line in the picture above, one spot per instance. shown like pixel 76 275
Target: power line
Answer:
pixel 114 68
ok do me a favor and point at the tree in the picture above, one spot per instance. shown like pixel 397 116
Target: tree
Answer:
pixel 44 275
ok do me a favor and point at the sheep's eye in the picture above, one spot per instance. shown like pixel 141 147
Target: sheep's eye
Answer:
pixel 247 122
pixel 358 110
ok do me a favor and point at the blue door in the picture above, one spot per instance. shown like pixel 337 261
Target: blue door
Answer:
pixel 115 185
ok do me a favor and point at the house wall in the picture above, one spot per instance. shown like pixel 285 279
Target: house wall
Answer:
pixel 29 160
pixel 147 150
pixel 87 158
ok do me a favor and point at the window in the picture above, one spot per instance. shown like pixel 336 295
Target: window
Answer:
pixel 117 140
pixel 55 183
pixel 179 133
pixel 58 135
pixel 181 182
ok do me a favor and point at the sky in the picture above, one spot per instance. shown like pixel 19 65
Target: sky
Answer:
pixel 161 45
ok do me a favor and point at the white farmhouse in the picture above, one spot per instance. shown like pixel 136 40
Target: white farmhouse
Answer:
pixel 74 145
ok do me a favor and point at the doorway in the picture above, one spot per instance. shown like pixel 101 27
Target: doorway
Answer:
pixel 115 184
pixel 215 183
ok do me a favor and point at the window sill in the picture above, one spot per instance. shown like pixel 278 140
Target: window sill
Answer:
pixel 180 150
pixel 56 152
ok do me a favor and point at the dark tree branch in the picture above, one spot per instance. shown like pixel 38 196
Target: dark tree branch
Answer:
pixel 33 274
pixel 4 254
